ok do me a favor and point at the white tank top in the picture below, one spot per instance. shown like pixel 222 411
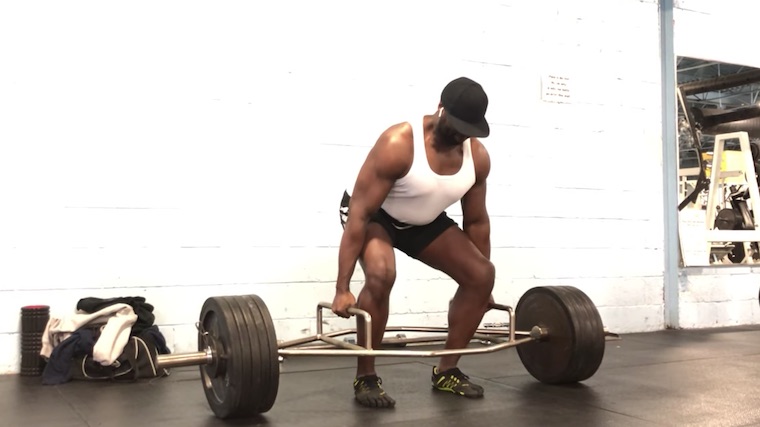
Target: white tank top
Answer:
pixel 421 195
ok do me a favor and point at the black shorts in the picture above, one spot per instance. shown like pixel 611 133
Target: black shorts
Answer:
pixel 410 239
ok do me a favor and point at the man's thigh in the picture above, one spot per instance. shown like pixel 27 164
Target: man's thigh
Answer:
pixel 377 254
pixel 453 253
pixel 377 251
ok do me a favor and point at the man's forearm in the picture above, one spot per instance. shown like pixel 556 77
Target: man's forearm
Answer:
pixel 350 248
pixel 480 235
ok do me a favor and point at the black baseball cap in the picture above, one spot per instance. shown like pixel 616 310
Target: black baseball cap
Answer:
pixel 466 102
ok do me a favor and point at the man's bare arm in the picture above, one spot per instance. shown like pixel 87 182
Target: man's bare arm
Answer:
pixel 476 222
pixel 388 160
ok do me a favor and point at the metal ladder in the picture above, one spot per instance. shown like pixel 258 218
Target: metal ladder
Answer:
pixel 717 197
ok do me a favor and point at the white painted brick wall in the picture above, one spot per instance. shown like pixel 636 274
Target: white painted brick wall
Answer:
pixel 143 150
pixel 712 297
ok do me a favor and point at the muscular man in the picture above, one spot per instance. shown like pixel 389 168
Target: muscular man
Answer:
pixel 412 174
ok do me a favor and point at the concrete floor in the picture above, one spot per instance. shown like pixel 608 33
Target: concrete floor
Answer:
pixel 675 378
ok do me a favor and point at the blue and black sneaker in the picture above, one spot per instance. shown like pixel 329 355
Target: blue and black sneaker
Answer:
pixel 454 381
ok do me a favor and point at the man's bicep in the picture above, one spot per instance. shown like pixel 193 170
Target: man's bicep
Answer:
pixel 474 204
pixel 474 201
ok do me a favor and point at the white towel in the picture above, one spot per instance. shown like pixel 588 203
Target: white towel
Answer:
pixel 117 320
pixel 114 336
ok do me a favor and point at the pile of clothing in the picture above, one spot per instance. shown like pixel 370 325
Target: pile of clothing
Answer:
pixel 99 328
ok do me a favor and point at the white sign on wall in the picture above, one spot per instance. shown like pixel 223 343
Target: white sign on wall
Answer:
pixel 693 234
pixel 555 88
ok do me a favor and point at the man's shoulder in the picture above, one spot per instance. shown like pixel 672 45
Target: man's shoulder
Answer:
pixel 394 150
pixel 478 148
pixel 396 137
pixel 480 158
pixel 399 132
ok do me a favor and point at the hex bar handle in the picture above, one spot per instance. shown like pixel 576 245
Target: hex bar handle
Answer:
pixel 351 310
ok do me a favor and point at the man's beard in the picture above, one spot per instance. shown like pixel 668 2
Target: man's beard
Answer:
pixel 445 135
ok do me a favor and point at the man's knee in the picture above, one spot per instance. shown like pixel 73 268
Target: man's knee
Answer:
pixel 379 277
pixel 482 276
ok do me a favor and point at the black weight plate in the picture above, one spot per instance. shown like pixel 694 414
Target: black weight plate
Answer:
pixel 269 375
pixel 574 347
pixel 244 379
